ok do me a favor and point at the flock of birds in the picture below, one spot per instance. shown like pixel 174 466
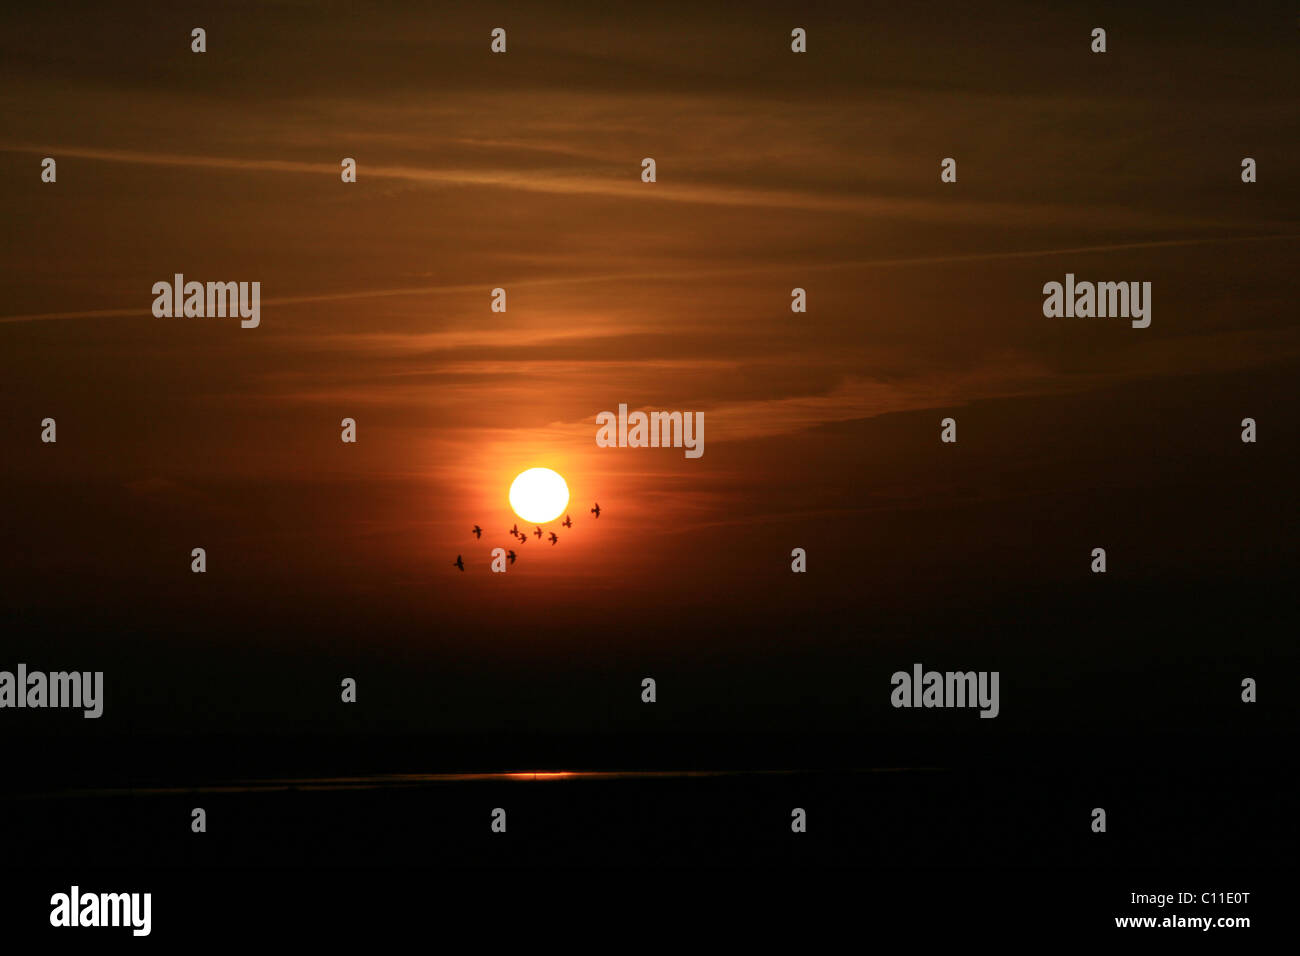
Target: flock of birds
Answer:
pixel 477 532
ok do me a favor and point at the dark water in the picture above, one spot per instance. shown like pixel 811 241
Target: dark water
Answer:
pixel 979 841
pixel 886 817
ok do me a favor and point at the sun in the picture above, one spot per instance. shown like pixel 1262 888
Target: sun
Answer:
pixel 539 495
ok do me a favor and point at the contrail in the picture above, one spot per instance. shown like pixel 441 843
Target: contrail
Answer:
pixel 603 181
pixel 144 311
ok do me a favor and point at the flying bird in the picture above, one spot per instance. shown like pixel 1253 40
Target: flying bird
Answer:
pixel 511 555
pixel 567 522
pixel 478 532
pixel 554 539
pixel 459 563
pixel 515 531
pixel 538 532
pixel 596 510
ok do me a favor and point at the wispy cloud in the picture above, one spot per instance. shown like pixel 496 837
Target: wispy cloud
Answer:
pixel 649 276
pixel 625 184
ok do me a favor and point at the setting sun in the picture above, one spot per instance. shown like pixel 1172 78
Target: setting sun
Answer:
pixel 539 495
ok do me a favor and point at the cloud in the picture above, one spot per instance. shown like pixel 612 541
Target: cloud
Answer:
pixel 624 183
pixel 143 311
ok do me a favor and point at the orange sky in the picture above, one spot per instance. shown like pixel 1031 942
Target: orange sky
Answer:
pixel 522 171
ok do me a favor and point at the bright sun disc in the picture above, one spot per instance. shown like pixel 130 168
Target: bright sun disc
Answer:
pixel 539 495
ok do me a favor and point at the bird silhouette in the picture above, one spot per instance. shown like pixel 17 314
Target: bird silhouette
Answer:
pixel 511 555
pixel 478 532
pixel 459 563
pixel 538 532
pixel 515 531
pixel 554 539
pixel 596 510
pixel 567 522
pixel 523 539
